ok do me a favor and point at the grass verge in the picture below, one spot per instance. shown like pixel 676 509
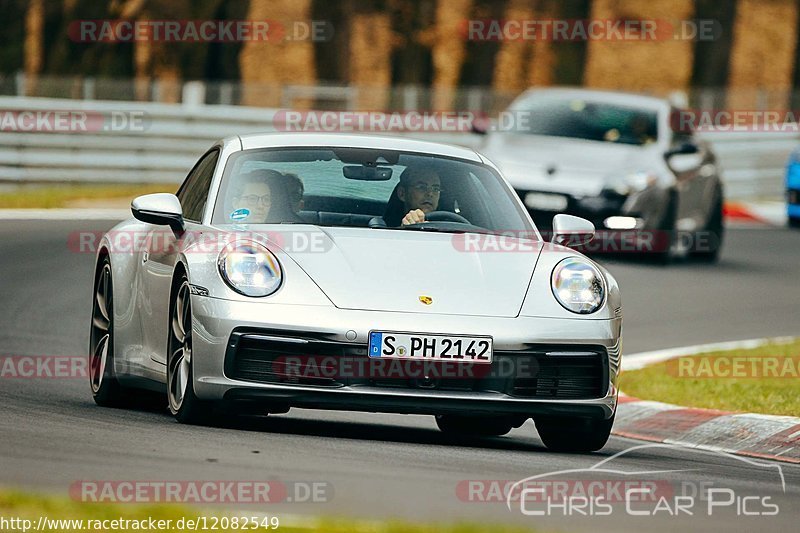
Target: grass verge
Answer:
pixel 26 506
pixel 67 195
pixel 757 380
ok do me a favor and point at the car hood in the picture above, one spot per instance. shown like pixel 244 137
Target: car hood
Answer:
pixel 390 270
pixel 561 164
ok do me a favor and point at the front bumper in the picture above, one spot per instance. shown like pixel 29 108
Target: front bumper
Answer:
pixel 218 326
pixel 595 209
pixel 647 206
pixel 645 209
pixel 793 191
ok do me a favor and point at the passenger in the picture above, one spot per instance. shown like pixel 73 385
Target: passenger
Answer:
pixel 295 191
pixel 263 193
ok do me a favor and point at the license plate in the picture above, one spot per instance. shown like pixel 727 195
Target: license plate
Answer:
pixel 547 202
pixel 458 348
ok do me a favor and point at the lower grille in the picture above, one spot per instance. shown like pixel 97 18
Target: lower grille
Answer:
pixel 563 377
pixel 256 358
pixel 541 372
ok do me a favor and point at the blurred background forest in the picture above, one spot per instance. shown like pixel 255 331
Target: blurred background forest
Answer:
pixel 386 48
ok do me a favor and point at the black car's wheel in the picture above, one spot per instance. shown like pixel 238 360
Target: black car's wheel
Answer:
pixel 665 235
pixel 106 390
pixel 483 426
pixel 573 434
pixel 708 243
pixel 183 403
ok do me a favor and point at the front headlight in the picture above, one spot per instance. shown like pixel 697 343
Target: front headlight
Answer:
pixel 578 286
pixel 250 269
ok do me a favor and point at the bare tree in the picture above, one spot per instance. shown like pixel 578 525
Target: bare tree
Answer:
pixel 34 44
pixel 267 65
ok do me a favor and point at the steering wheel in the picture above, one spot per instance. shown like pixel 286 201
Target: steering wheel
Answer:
pixel 445 216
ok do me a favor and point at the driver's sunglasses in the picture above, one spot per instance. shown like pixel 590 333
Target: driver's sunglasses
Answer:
pixel 253 199
pixel 422 188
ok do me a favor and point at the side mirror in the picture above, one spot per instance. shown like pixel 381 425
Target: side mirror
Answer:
pixel 684 149
pixel 684 158
pixel 572 230
pixel 163 209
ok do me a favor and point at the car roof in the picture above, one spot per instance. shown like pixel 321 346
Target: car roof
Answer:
pixel 403 144
pixel 610 97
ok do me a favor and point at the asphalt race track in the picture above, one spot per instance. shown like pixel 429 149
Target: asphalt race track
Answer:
pixel 379 466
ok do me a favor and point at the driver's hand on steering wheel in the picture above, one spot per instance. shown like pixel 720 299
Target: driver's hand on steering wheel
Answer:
pixel 415 216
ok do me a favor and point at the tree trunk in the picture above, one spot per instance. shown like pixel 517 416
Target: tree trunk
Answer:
pixel 765 38
pixel 659 66
pixel 449 51
pixel 513 60
pixel 370 59
pixel 266 66
pixel 34 45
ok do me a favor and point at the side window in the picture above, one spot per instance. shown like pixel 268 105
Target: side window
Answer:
pixel 193 194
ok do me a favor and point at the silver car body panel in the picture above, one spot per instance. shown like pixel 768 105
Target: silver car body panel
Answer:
pixel 366 279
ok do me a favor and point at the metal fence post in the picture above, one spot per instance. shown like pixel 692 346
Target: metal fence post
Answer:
pixel 20 82
pixel 89 87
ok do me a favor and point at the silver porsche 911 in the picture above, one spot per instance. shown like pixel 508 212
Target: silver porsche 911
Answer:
pixel 356 273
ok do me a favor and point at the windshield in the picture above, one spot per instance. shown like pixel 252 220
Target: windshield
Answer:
pixel 369 188
pixel 560 116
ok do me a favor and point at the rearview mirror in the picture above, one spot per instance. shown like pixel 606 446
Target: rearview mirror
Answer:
pixel 571 230
pixel 163 209
pixel 367 173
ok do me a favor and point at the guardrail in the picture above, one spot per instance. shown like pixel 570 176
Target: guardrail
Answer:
pixel 168 139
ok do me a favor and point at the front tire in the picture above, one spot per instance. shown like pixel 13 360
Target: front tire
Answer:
pixel 185 406
pixel 106 390
pixel 715 230
pixel 482 426
pixel 794 222
pixel 573 434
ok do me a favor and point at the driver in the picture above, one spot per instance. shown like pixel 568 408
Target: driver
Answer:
pixel 419 190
